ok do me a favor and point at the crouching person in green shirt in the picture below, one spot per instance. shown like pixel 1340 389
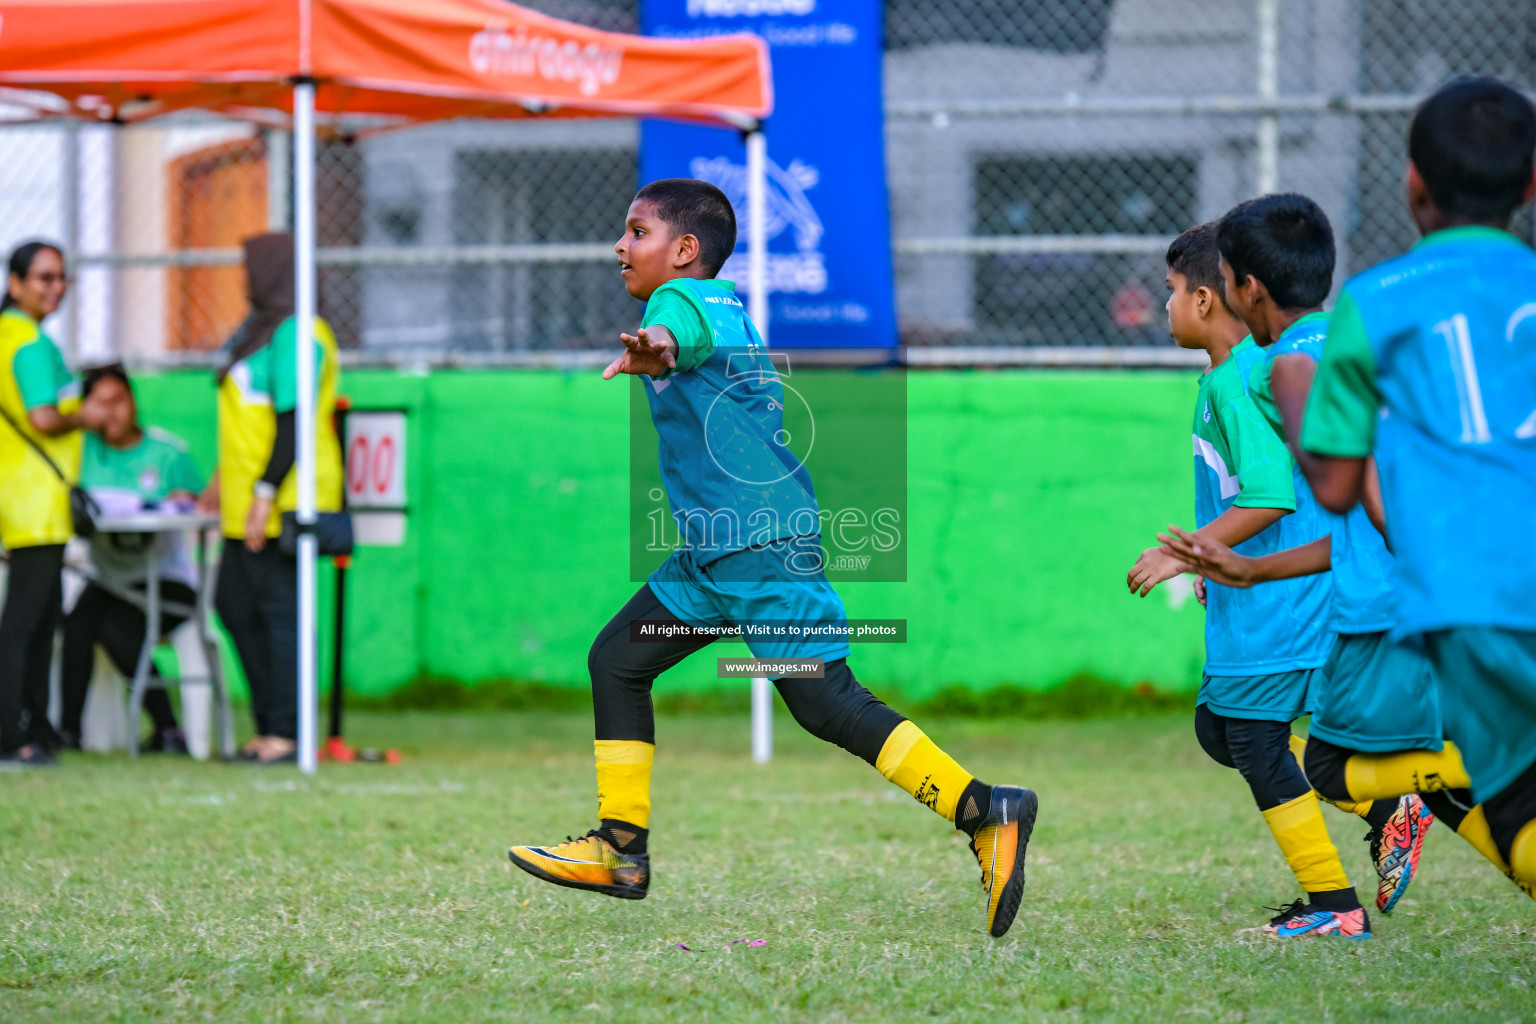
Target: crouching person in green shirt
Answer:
pixel 126 466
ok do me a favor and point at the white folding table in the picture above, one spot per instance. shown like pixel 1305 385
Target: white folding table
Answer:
pixel 150 525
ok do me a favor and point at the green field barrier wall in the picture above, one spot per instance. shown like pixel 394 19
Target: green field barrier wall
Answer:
pixel 1030 494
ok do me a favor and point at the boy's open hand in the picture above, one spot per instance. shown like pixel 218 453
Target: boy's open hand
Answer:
pixel 1153 567
pixel 648 354
pixel 1210 558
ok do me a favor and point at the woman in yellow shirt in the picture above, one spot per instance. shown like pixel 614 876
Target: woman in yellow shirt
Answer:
pixel 41 400
pixel 255 483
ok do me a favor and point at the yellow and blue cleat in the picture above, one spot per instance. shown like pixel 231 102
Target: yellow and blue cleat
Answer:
pixel 999 845
pixel 590 863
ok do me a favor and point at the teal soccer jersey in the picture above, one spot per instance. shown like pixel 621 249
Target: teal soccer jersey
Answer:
pixel 1431 364
pixel 1362 566
pixel 1272 628
pixel 742 500
pixel 730 474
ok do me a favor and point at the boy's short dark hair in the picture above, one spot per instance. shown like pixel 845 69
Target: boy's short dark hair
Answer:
pixel 1194 255
pixel 692 207
pixel 1286 242
pixel 1473 142
pixel 96 374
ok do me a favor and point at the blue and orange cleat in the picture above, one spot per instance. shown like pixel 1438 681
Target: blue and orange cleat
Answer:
pixel 590 863
pixel 1395 849
pixel 1305 920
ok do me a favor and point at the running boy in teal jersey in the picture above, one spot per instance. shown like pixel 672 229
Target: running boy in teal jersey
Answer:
pixel 751 553
pixel 1430 365
pixel 1264 646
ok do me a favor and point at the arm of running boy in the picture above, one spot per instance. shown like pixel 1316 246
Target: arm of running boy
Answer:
pixel 1220 564
pixel 1339 429
pixel 1233 526
pixel 650 350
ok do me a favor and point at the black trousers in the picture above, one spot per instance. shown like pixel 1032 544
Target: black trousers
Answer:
pixel 33 592
pixel 100 617
pixel 836 708
pixel 1259 750
pixel 258 601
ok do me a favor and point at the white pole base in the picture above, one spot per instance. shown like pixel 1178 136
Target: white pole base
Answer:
pixel 762 721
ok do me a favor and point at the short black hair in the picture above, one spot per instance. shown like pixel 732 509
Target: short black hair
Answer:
pixel 1286 242
pixel 96 374
pixel 1473 142
pixel 692 207
pixel 1194 255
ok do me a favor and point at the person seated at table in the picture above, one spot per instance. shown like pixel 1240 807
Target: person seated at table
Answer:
pixel 127 468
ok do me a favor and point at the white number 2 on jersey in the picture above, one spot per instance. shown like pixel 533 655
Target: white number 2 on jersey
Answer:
pixel 1469 390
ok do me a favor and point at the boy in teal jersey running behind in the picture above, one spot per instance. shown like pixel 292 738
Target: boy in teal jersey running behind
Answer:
pixel 1375 736
pixel 751 553
pixel 1430 365
pixel 1264 646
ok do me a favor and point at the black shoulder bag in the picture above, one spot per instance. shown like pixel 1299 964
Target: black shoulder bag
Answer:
pixel 83 509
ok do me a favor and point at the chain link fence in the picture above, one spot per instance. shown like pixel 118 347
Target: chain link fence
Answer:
pixel 1040 154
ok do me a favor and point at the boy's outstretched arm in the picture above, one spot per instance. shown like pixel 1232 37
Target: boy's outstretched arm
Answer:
pixel 651 350
pixel 1217 562
pixel 1233 526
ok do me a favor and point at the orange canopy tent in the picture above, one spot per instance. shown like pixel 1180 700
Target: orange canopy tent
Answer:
pixel 369 64
pixel 392 60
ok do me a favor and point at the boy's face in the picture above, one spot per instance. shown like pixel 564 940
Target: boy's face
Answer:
pixel 650 254
pixel 1183 307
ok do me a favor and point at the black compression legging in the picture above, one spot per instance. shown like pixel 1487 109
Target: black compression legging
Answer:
pixel 1260 750
pixel 33 592
pixel 836 708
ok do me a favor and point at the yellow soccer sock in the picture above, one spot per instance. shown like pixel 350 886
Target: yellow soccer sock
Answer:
pixel 624 780
pixel 1303 837
pixel 1474 829
pixel 912 761
pixel 1383 776
pixel 1522 857
pixel 1298 749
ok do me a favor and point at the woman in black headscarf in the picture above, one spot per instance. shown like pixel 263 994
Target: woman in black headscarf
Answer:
pixel 258 394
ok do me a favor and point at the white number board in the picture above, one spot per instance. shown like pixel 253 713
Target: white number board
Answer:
pixel 375 460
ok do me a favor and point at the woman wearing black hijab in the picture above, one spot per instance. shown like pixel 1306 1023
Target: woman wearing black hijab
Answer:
pixel 255 483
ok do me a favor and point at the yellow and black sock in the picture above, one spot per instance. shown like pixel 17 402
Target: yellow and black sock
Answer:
pixel 624 792
pixel 916 764
pixel 1302 834
pixel 1383 776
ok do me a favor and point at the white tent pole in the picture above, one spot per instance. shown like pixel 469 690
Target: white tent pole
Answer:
pixel 757 309
pixel 757 230
pixel 304 313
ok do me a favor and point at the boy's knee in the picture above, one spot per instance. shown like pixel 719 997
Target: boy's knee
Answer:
pixel 1325 765
pixel 1211 731
pixel 840 711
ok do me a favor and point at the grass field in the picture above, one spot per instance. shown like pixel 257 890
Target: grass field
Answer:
pixel 183 891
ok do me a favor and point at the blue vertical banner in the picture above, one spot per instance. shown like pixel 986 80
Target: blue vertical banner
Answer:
pixel 829 236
